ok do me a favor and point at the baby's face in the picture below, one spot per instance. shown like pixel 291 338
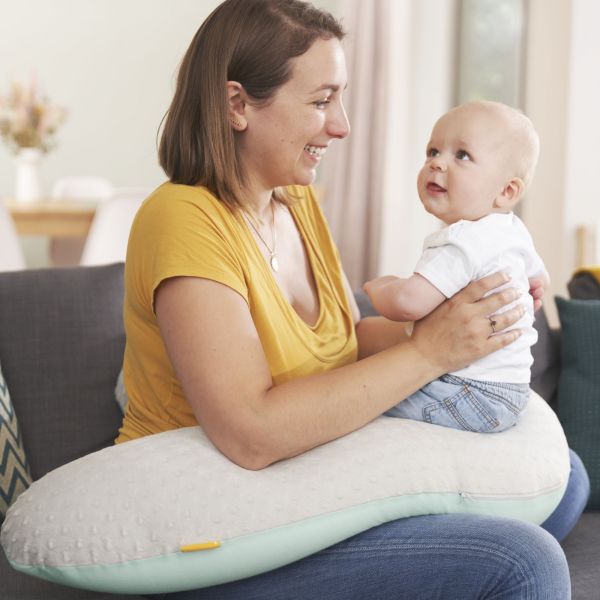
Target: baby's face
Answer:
pixel 467 165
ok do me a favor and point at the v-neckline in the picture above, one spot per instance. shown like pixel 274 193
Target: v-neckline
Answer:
pixel 271 276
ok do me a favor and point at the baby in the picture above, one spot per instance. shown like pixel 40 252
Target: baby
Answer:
pixel 480 160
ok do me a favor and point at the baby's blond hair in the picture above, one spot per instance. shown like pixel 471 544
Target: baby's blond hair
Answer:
pixel 519 128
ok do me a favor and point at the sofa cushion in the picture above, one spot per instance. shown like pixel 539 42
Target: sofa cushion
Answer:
pixel 579 384
pixel 61 348
pixel 546 360
pixel 178 515
pixel 14 472
pixel 585 284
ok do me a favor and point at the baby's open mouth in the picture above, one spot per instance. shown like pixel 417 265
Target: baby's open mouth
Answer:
pixel 434 187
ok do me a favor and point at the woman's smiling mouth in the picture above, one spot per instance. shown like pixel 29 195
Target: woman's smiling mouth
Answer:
pixel 315 152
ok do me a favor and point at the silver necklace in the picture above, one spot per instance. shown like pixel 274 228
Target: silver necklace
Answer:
pixel 272 251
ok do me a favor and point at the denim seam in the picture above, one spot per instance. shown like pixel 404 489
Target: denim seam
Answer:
pixel 426 548
pixel 491 422
pixel 506 403
pixel 448 404
pixel 466 394
pixel 493 391
pixel 480 383
pixel 490 389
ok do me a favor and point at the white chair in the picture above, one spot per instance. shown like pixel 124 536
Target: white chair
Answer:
pixel 67 251
pixel 82 187
pixel 107 240
pixel 11 253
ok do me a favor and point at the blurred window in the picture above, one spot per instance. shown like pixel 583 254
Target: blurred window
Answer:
pixel 491 51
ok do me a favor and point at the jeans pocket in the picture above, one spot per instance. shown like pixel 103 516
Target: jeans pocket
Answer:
pixel 462 410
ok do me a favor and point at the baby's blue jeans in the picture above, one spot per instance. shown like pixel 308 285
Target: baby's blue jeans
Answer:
pixel 482 406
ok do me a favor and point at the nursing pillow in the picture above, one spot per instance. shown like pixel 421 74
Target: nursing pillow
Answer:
pixel 168 512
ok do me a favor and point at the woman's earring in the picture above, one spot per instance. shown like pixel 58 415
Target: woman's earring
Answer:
pixel 236 123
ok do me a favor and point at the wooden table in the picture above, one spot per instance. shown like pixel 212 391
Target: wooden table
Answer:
pixel 52 218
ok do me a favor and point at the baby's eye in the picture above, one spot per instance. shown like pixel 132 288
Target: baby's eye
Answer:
pixel 463 155
pixel 432 152
pixel 321 104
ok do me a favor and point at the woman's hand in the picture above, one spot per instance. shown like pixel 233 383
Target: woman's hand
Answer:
pixel 219 360
pixel 460 331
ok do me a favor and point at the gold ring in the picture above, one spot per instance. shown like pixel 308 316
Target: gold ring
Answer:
pixel 492 324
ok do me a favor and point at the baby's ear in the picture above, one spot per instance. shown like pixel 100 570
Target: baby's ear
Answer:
pixel 511 193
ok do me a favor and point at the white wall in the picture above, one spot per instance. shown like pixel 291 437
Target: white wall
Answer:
pixel 581 195
pixel 424 50
pixel 112 64
pixel 416 79
pixel 562 98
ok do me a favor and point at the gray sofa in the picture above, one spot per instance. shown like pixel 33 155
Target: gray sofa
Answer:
pixel 61 349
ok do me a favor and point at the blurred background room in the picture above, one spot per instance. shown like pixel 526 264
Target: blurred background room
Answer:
pixel 110 66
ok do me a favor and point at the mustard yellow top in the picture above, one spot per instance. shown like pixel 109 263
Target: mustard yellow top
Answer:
pixel 185 231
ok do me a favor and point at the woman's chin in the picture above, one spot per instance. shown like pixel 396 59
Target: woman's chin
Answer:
pixel 306 178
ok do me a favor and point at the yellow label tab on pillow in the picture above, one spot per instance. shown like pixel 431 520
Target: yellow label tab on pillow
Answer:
pixel 210 545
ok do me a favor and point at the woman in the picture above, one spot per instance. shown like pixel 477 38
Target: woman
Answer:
pixel 239 317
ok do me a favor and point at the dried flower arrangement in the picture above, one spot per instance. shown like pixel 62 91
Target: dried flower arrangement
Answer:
pixel 27 119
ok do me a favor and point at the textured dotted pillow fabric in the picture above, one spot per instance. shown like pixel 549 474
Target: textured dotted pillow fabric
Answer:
pixel 169 512
pixel 14 472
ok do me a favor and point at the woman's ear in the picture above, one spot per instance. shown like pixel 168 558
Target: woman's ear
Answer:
pixel 511 193
pixel 237 105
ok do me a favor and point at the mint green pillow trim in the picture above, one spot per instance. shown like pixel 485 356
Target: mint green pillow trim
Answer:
pixel 260 552
pixel 73 528
pixel 14 469
pixel 579 384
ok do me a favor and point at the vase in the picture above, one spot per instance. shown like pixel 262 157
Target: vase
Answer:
pixel 27 176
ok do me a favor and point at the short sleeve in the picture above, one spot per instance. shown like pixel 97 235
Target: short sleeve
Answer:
pixel 533 262
pixel 446 263
pixel 535 265
pixel 184 233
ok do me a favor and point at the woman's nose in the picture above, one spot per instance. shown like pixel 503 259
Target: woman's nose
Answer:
pixel 339 126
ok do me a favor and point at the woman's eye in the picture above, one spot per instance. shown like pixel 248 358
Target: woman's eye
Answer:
pixel 322 103
pixel 463 155
pixel 432 152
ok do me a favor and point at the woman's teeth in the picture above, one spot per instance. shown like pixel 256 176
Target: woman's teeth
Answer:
pixel 316 151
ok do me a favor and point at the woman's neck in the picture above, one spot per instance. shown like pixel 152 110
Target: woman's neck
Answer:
pixel 259 204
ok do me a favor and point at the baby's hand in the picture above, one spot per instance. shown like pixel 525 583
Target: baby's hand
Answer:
pixel 537 287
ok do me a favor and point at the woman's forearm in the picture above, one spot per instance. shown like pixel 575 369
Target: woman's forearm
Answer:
pixel 299 415
pixel 304 413
pixel 227 381
pixel 375 334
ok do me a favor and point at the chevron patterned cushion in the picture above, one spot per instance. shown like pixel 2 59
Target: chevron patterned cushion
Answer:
pixel 14 471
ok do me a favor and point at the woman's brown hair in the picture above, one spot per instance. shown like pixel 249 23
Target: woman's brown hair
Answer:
pixel 248 41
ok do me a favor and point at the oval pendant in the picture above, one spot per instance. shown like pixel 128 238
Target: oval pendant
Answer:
pixel 274 263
